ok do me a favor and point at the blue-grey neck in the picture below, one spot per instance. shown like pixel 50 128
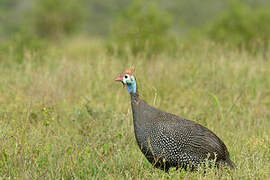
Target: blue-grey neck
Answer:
pixel 132 87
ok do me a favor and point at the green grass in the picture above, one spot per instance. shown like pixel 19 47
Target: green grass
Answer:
pixel 65 117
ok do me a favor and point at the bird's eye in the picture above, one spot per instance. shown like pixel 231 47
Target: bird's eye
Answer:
pixel 126 76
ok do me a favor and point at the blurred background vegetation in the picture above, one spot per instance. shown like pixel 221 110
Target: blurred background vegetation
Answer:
pixel 62 116
pixel 140 27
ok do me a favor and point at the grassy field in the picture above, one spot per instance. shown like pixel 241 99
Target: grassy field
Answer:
pixel 63 116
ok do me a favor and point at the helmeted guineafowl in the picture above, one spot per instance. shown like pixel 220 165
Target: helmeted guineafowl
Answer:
pixel 167 140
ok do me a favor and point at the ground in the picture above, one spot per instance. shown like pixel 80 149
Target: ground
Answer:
pixel 63 116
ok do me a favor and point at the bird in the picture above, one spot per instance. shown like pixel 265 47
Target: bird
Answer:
pixel 167 140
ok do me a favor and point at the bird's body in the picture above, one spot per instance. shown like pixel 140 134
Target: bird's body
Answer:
pixel 167 140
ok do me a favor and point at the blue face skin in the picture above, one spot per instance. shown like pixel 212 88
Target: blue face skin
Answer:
pixel 130 82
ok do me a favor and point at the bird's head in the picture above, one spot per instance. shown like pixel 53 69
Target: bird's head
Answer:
pixel 128 80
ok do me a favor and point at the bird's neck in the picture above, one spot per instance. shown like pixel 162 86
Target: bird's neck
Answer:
pixel 135 105
pixel 136 113
pixel 134 96
pixel 140 119
pixel 133 91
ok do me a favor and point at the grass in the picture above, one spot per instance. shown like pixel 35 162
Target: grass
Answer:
pixel 63 116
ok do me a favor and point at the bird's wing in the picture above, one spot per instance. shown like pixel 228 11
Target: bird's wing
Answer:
pixel 192 137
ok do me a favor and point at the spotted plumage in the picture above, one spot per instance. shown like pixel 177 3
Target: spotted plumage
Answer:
pixel 167 140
